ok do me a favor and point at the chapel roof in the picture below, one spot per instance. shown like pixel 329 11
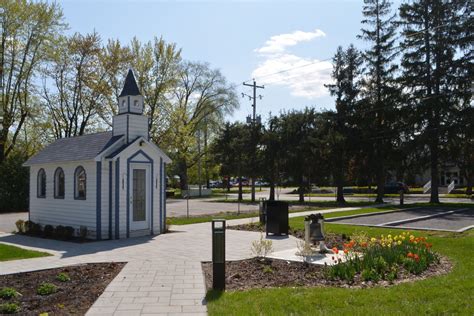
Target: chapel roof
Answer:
pixel 85 147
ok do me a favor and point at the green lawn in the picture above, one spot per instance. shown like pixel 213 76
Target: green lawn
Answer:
pixel 373 195
pixel 451 294
pixel 207 218
pixel 234 215
pixel 321 204
pixel 8 252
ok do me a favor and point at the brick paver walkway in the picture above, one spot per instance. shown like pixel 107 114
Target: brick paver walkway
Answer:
pixel 163 275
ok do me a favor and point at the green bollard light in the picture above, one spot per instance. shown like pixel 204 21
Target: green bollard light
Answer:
pixel 218 254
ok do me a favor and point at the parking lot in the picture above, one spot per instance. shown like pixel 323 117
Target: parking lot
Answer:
pixel 421 218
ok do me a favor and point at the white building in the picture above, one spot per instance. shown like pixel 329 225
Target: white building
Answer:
pixel 113 182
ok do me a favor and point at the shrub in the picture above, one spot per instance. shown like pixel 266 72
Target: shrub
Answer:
pixel 9 308
pixel 8 292
pixel 32 228
pixel 46 289
pixel 63 277
pixel 262 247
pixel 68 232
pixel 27 226
pixel 48 231
pixel 304 249
pixel 20 226
pixel 83 231
pixel 267 269
pixel 59 232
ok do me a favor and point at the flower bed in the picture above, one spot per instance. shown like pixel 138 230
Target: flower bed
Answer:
pixel 383 258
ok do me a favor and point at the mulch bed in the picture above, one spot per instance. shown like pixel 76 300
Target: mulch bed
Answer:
pixel 332 240
pixel 271 273
pixel 73 297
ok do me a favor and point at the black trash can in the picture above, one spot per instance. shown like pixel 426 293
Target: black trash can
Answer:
pixel 276 215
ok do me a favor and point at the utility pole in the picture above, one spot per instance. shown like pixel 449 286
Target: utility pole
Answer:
pixel 253 121
pixel 199 161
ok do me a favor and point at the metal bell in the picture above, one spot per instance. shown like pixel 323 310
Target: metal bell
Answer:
pixel 314 228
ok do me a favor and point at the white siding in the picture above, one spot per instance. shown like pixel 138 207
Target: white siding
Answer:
pixel 119 125
pixel 137 126
pixel 105 200
pixel 67 211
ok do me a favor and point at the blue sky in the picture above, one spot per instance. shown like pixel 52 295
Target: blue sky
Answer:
pixel 244 39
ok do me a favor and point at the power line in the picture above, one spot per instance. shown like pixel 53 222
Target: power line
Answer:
pixel 330 58
pixel 289 69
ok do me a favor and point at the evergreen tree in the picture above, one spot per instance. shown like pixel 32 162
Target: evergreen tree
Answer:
pixel 379 87
pixel 346 70
pixel 431 71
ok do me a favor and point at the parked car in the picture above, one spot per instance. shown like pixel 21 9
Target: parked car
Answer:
pixel 245 182
pixel 396 187
pixel 215 184
pixel 261 183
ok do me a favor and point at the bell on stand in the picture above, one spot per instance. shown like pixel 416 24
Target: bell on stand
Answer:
pixel 314 231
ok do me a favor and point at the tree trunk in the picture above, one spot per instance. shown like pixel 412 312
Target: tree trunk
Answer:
pixel 240 198
pixel 253 189
pixel 272 191
pixel 301 190
pixel 339 177
pixel 183 180
pixel 183 175
pixel 206 162
pixel 340 194
pixel 2 152
pixel 469 178
pixel 434 198
pixel 380 177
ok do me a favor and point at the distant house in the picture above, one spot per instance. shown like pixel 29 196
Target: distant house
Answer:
pixel 448 173
pixel 112 182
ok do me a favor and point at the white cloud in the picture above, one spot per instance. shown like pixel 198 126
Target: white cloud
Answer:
pixel 305 77
pixel 278 43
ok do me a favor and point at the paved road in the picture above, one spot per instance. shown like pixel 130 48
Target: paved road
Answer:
pixel 178 207
pixel 283 194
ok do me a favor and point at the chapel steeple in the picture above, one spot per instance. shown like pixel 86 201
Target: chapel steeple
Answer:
pixel 130 99
pixel 130 120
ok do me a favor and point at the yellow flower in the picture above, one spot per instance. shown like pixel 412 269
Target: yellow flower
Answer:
pixel 399 242
pixel 389 236
pixel 373 239
pixel 412 237
pixel 389 245
pixel 395 238
pixel 403 238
